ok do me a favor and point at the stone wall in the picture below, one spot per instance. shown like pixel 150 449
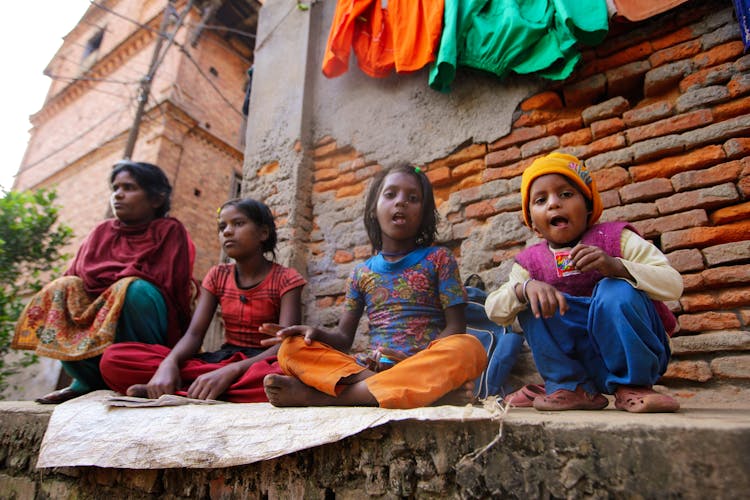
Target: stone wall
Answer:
pixel 659 112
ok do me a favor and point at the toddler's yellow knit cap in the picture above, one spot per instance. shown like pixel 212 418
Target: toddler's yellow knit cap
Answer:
pixel 568 166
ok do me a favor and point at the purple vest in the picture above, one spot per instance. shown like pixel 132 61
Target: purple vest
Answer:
pixel 541 264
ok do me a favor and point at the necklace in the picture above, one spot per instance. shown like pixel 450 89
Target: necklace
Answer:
pixel 395 254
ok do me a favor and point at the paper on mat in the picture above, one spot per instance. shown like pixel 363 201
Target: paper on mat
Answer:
pixel 86 431
pixel 163 400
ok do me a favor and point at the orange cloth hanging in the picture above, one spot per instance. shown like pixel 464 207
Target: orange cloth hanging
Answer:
pixel 401 35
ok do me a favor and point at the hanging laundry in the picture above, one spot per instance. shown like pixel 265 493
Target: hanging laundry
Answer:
pixel 521 36
pixel 638 10
pixel 386 35
pixel 742 9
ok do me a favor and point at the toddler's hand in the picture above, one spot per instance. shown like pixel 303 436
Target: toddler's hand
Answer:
pixel 544 299
pixel 593 258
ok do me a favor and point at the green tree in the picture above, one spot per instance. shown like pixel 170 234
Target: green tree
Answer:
pixel 30 244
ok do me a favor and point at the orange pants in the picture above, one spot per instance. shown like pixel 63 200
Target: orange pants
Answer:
pixel 445 365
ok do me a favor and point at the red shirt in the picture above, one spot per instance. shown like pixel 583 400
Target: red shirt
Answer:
pixel 244 310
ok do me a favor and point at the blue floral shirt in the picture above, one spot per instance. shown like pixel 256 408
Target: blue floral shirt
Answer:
pixel 406 299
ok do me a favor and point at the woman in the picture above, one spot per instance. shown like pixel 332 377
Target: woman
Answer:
pixel 129 281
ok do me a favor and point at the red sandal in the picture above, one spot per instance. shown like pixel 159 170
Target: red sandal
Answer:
pixel 525 396
pixel 644 400
pixel 563 399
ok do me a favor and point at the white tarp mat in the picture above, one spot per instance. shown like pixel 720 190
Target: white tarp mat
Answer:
pixel 87 431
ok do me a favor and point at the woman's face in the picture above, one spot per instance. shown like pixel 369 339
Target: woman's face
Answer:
pixel 130 203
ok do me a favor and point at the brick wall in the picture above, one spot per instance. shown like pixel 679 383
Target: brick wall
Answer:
pixel 659 112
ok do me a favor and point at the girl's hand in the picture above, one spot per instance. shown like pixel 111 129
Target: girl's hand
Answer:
pixel 592 258
pixel 279 333
pixel 544 299
pixel 166 380
pixel 213 384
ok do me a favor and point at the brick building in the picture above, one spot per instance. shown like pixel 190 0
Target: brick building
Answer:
pixel 659 111
pixel 192 124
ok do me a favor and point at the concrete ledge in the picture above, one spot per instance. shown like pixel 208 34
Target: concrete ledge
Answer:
pixel 697 453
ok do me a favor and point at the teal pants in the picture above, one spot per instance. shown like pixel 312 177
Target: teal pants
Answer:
pixel 143 319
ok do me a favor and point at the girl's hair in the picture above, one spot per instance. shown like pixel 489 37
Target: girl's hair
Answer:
pixel 428 226
pixel 151 179
pixel 261 215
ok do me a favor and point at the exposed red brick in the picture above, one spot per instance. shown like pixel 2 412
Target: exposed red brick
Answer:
pixel 646 190
pixel 674 38
pixel 468 168
pixel 352 190
pixel 342 257
pixel 585 92
pixel 650 228
pixel 726 276
pixel 693 179
pixel 716 299
pixel 480 210
pixel 462 230
pixel 708 76
pixel 440 176
pixel 670 125
pixel 544 100
pixel 701 237
pixel 692 282
pixel 518 136
pixel 708 321
pixel 463 155
pixel 610 198
pixel 362 251
pixel 540 146
pixel 325 149
pixel 470 181
pixel 623 79
pixel 739 146
pixel 506 172
pixel 675 53
pixel 633 53
pixel 686 260
pixel 739 85
pixel 631 212
pixel 731 367
pixel 326 174
pixel 710 197
pixel 324 302
pixel 603 128
pixel 610 143
pixel 579 137
pixel 343 180
pixel 667 167
pixel 719 54
pixel 731 214
pixel 564 125
pixel 698 371
pixel 610 178
pixel 326 139
pixel 726 253
pixel 731 109
pixel 502 157
pixel 648 114
pixel 268 168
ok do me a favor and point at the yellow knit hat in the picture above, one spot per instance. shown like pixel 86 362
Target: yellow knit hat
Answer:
pixel 568 166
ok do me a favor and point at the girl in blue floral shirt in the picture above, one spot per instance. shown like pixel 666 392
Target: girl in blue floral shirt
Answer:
pixel 412 291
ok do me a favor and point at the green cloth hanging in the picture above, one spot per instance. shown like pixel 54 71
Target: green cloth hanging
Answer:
pixel 522 36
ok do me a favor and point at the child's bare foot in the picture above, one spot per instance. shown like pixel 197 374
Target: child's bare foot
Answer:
pixel 137 391
pixel 458 397
pixel 283 390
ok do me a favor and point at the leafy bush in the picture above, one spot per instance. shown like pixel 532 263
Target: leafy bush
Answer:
pixel 30 244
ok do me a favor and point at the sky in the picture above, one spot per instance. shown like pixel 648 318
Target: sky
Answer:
pixel 32 33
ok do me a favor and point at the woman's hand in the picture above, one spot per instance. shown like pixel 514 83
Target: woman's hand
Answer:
pixel 592 258
pixel 166 380
pixel 544 299
pixel 213 384
pixel 278 333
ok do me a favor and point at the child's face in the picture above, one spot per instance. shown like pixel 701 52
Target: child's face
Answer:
pixel 558 210
pixel 240 236
pixel 399 208
pixel 130 202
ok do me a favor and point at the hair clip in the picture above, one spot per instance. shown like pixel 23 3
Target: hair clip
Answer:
pixel 418 170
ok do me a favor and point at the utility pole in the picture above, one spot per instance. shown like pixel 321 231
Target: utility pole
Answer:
pixel 145 87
